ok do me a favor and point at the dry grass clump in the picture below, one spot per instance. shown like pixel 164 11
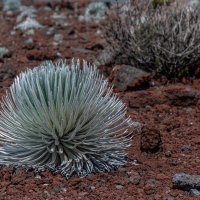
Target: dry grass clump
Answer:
pixel 164 40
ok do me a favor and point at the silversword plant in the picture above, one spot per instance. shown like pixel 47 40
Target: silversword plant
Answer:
pixel 64 118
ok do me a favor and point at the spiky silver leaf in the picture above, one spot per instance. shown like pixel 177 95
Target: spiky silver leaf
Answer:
pixel 65 118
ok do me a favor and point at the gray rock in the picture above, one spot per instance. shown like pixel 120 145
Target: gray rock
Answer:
pixel 195 192
pixel 38 176
pixel 60 19
pixel 134 162
pixel 58 16
pixel 30 32
pixel 186 148
pixel 29 41
pixel 26 11
pixel 95 11
pixel 12 32
pixel 58 38
pixel 92 187
pixel 4 52
pixel 11 5
pixel 29 44
pixel 47 193
pixel 186 182
pixel 50 31
pixel 169 198
pixel 28 23
pixel 46 8
pixel 134 178
pixel 124 75
pixel 119 187
pixel 58 54
pixel 63 189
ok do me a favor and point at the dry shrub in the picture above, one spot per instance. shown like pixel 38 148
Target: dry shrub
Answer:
pixel 165 40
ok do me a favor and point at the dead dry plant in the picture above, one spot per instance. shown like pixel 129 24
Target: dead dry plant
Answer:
pixel 165 40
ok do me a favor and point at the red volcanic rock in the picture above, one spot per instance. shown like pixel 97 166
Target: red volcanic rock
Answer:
pixel 173 95
pixel 182 95
pixel 150 140
pixel 125 77
pixel 145 98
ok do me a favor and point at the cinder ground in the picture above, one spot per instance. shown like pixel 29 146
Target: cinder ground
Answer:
pixel 173 110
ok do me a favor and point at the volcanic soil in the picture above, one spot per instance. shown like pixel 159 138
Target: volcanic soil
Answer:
pixel 168 143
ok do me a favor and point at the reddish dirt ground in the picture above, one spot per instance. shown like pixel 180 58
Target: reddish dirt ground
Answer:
pixel 170 114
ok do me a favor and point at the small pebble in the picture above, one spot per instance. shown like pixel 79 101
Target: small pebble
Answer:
pixel 47 193
pixel 46 8
pixel 30 32
pixel 4 52
pixel 119 187
pixel 58 38
pixel 170 198
pixel 59 54
pixel 38 176
pixel 29 44
pixel 29 41
pixel 58 16
pixel 64 189
pixel 92 188
pixel 186 148
pixel 168 154
pixel 13 33
pixel 50 31
pixel 195 192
